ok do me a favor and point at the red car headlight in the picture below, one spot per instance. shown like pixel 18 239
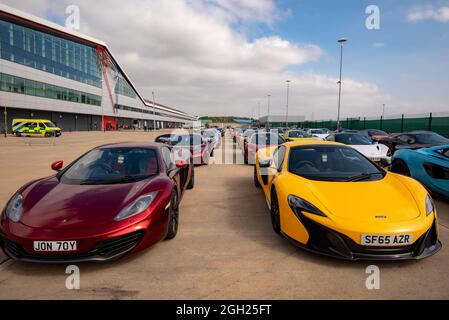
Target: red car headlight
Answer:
pixel 14 210
pixel 138 206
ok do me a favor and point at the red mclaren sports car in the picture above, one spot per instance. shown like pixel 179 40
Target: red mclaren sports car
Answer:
pixel 113 201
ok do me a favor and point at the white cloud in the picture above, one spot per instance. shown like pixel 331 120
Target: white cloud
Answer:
pixel 191 54
pixel 429 13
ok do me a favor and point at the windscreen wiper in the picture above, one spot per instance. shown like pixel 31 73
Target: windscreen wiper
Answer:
pixel 362 177
pixel 126 178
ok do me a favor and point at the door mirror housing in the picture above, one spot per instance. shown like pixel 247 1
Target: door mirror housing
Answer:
pixel 57 166
pixel 181 164
pixel 265 163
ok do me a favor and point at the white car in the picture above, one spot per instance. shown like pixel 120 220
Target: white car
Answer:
pixel 376 152
pixel 214 137
pixel 322 134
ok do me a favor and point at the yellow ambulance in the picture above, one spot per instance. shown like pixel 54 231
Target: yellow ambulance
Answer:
pixel 35 128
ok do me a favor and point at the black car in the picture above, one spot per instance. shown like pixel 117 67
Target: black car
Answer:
pixel 414 140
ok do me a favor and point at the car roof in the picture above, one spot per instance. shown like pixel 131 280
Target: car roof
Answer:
pixel 312 142
pixel 143 144
pixel 417 131
pixel 348 133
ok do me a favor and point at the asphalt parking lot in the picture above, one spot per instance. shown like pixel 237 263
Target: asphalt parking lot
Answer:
pixel 225 248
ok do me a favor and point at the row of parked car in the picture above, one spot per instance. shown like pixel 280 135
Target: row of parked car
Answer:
pixel 423 155
pixel 118 199
pixel 199 145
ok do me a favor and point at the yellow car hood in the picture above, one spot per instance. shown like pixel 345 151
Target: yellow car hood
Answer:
pixel 386 200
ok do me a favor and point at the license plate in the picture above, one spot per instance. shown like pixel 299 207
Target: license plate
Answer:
pixel 54 246
pixel 387 240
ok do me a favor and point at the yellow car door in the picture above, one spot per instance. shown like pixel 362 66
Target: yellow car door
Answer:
pixel 273 170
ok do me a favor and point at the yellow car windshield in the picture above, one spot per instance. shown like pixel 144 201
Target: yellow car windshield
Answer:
pixel 332 163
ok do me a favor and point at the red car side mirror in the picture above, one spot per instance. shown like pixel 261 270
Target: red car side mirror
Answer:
pixel 57 166
pixel 181 164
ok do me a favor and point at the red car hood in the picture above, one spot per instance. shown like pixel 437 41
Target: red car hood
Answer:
pixel 51 204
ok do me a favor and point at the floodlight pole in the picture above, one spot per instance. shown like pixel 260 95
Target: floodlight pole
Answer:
pixel 286 114
pixel 154 112
pixel 341 41
pixel 268 118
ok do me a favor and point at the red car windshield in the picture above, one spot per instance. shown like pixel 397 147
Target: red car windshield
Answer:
pixel 112 165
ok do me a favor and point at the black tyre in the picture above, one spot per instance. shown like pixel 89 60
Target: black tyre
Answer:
pixel 48 134
pixel 245 156
pixel 256 181
pixel 212 153
pixel 17 134
pixel 191 183
pixel 275 214
pixel 399 166
pixel 173 217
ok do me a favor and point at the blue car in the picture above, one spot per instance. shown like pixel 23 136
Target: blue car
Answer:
pixel 430 166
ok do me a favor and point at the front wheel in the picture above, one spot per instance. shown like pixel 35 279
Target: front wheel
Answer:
pixel 173 217
pixel 192 179
pixel 275 213
pixel 256 181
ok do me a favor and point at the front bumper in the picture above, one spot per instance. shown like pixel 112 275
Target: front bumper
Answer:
pixel 107 250
pixel 328 242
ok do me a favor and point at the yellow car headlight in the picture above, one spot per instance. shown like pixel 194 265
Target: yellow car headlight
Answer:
pixel 430 207
pixel 298 205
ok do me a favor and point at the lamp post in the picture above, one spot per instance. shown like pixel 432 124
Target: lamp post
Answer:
pixel 6 122
pixel 341 41
pixel 154 112
pixel 286 114
pixel 383 111
pixel 268 117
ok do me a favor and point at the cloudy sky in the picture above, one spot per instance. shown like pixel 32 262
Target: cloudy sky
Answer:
pixel 222 57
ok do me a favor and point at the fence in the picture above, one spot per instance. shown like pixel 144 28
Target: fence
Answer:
pixel 438 123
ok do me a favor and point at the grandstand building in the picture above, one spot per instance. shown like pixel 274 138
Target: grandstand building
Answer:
pixel 50 72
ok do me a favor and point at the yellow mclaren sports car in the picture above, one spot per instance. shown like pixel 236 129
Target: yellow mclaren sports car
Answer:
pixel 328 198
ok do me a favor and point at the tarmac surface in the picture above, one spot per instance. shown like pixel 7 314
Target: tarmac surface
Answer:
pixel 225 247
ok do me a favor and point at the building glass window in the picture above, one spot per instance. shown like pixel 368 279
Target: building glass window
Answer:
pixel 49 53
pixel 15 84
pixel 123 88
